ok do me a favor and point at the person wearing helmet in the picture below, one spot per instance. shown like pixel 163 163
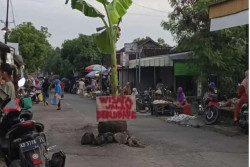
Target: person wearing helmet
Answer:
pixel 212 87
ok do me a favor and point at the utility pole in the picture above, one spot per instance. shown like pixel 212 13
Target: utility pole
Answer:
pixel 7 22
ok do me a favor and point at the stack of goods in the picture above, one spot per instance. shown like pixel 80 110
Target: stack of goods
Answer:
pixel 161 102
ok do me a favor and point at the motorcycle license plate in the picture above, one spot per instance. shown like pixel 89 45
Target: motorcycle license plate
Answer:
pixel 32 144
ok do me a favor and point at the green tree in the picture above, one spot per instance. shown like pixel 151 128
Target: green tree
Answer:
pixel 140 39
pixel 56 64
pixel 162 42
pixel 81 52
pixel 221 52
pixel 33 44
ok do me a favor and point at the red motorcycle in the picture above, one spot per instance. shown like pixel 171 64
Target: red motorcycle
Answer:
pixel 209 106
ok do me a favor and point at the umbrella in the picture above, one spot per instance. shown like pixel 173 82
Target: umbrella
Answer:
pixel 65 79
pixel 95 67
pixel 92 74
pixel 109 68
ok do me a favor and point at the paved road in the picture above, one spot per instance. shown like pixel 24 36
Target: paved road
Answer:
pixel 167 145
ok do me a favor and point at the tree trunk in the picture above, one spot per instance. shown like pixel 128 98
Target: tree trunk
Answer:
pixel 113 126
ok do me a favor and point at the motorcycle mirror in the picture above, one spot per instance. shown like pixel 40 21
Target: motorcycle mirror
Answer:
pixel 21 82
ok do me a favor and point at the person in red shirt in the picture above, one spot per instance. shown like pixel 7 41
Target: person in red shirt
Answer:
pixel 62 87
pixel 243 95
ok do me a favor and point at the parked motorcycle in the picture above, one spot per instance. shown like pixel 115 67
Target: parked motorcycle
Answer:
pixel 243 118
pixel 144 101
pixel 210 106
pixel 23 142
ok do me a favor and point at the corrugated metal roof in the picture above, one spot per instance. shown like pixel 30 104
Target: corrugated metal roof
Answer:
pixel 161 60
pixel 156 61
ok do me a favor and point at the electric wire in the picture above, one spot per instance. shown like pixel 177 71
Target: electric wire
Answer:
pixel 150 8
pixel 142 14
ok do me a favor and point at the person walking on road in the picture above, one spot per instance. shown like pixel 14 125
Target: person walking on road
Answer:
pixel 62 88
pixel 45 90
pixel 58 94
pixel 81 87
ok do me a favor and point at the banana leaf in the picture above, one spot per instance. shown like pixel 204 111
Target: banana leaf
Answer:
pixel 102 40
pixel 103 1
pixel 85 8
pixel 117 9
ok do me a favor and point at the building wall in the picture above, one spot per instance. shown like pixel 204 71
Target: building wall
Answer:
pixel 126 77
pixel 167 76
pixel 147 77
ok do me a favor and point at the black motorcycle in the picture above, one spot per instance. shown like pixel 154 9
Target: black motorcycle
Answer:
pixel 243 118
pixel 23 142
pixel 144 101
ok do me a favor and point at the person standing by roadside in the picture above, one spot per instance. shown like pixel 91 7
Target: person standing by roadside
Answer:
pixel 93 84
pixel 243 95
pixel 81 87
pixel 58 94
pixel 8 87
pixel 45 90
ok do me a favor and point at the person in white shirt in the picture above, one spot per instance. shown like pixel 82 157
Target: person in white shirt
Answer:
pixel 81 87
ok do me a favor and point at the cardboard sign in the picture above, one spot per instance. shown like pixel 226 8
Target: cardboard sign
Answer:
pixel 115 108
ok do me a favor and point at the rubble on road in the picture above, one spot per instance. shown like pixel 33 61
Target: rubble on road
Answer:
pixel 104 138
pixel 121 138
pixel 180 118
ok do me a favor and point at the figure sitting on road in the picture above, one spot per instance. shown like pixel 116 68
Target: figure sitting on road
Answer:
pixel 181 98
pixel 243 95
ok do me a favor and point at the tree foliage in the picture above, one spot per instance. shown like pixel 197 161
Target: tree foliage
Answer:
pixel 221 52
pixel 81 52
pixel 33 44
pixel 162 42
pixel 56 65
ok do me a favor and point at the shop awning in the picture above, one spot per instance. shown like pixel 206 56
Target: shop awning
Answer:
pixel 181 56
pixel 228 13
pixel 155 61
pixel 4 47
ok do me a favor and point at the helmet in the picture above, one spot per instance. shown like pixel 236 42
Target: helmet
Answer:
pixel 211 84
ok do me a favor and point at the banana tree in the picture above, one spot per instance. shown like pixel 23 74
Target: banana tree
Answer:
pixel 108 34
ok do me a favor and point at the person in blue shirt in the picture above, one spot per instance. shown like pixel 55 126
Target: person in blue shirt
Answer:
pixel 58 93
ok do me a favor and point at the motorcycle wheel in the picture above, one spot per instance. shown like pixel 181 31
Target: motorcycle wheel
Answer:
pixel 15 163
pixel 211 115
pixel 146 108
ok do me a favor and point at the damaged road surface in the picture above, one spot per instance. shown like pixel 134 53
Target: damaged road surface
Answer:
pixel 166 144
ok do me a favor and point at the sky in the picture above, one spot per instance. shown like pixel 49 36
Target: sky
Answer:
pixel 64 23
